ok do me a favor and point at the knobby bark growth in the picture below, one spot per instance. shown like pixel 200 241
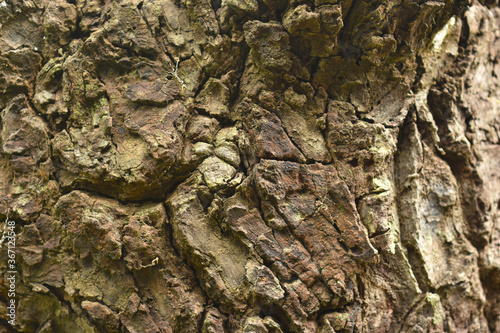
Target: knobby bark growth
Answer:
pixel 251 165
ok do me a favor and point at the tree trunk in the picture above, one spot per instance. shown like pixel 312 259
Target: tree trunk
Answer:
pixel 250 166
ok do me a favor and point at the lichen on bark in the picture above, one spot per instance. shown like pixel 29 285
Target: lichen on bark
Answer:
pixel 251 166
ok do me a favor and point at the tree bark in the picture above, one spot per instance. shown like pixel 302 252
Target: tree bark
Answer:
pixel 250 165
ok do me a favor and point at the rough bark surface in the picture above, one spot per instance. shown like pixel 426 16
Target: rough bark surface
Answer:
pixel 251 165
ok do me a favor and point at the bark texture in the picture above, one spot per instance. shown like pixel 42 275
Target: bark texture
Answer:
pixel 251 165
